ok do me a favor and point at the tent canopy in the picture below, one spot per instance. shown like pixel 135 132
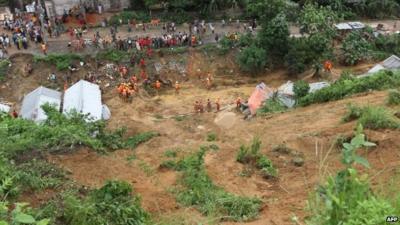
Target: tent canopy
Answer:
pixel 85 98
pixel 31 105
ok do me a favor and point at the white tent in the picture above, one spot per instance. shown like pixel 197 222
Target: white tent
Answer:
pixel 84 97
pixel 31 105
pixel 4 108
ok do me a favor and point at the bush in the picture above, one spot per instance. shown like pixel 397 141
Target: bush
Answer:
pixel 225 45
pixel 252 59
pixel 371 117
pixel 300 89
pixel 113 204
pixel 347 197
pixel 251 155
pixel 393 97
pixel 199 190
pixel 355 48
pixel 112 55
pixel 134 141
pixel 211 137
pixel 62 61
pixel 271 105
pixel 4 66
pixel 345 87
pixel 59 131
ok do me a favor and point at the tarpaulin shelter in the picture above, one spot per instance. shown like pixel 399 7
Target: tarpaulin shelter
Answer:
pixel 85 98
pixel 31 105
pixel 260 94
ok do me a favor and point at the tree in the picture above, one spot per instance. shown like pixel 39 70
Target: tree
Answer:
pixel 355 48
pixel 316 19
pixel 266 10
pixel 381 8
pixel 300 89
pixel 252 59
pixel 274 36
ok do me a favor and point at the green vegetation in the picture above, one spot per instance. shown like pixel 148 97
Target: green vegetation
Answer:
pixel 62 61
pixel 348 85
pixel 355 48
pixel 4 65
pixel 20 214
pixel 140 138
pixel 271 105
pixel 39 175
pixel 300 89
pixel 252 59
pixel 197 189
pixel 171 153
pixel 58 132
pixel 347 197
pixel 393 97
pixel 371 117
pixel 112 204
pixel 211 136
pixel 251 155
pixel 112 55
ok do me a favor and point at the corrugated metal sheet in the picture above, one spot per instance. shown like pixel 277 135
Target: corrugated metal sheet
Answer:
pixel 393 62
pixel 318 86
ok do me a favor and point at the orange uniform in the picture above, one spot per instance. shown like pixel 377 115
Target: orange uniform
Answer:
pixel 328 66
pixel 158 85
pixel 177 87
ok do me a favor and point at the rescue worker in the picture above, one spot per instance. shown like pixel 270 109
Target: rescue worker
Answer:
pixel 142 63
pixel 238 103
pixel 208 83
pixel 328 66
pixel 217 104
pixel 134 79
pixel 209 105
pixel 196 106
pixel 158 86
pixel 177 87
pixel 201 107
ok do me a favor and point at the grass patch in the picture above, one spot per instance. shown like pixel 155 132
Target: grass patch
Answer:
pixel 348 85
pixel 138 139
pixel 112 55
pixel 197 189
pixel 171 153
pixel 4 66
pixel 371 117
pixel 251 155
pixel 393 97
pixel 62 61
pixel 180 118
pixel 168 164
pixel 114 203
pixel 146 168
pixel 211 136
